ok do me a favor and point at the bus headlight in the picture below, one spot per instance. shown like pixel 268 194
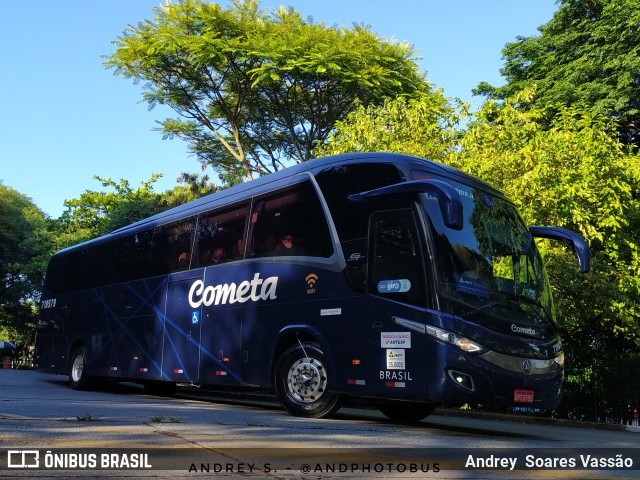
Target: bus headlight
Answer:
pixel 462 343
pixel 560 359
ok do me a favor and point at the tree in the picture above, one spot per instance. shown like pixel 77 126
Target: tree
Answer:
pixel 587 54
pixel 97 213
pixel 25 246
pixel 573 175
pixel 573 172
pixel 254 91
pixel 425 125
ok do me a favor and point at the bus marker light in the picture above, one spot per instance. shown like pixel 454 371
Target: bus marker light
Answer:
pixel 225 359
pixel 113 369
pixel 353 381
pixel 394 384
pixel 356 361
pixel 221 373
pixel 144 369
pixel 136 358
pixel 178 370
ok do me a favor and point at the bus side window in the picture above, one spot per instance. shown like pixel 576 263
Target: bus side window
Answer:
pixel 171 251
pixel 132 257
pixel 396 266
pixel 220 237
pixel 101 265
pixel 293 214
pixel 65 272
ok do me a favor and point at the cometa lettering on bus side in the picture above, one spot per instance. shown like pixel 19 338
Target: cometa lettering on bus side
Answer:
pixel 254 290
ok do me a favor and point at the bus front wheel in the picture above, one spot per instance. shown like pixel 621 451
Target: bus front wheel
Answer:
pixel 301 381
pixel 406 412
pixel 78 378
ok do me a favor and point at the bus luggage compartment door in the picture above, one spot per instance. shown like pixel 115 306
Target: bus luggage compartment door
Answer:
pixel 182 330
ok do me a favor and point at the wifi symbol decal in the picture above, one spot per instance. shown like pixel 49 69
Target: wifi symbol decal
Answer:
pixel 311 279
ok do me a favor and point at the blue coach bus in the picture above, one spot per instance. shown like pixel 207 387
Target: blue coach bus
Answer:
pixel 376 276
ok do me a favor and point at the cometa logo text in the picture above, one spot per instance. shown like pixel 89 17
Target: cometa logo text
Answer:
pixel 254 290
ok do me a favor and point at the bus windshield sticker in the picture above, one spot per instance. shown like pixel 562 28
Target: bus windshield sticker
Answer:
pixel 395 340
pixel 330 311
pixel 471 286
pixel 394 286
pixel 488 200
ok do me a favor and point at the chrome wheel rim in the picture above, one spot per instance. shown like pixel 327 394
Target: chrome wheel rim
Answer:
pixel 77 368
pixel 307 380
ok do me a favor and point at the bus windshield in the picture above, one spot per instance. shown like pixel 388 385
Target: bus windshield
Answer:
pixel 490 270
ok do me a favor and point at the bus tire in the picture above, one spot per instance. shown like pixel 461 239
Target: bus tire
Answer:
pixel 78 378
pixel 301 381
pixel 406 412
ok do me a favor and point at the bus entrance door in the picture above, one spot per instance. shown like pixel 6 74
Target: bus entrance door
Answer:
pixel 182 329
pixel 398 297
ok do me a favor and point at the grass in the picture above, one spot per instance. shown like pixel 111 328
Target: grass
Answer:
pixel 162 419
pixel 87 417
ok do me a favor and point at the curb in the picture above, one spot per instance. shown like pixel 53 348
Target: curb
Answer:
pixel 558 422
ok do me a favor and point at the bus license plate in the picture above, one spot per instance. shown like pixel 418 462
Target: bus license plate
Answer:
pixel 523 396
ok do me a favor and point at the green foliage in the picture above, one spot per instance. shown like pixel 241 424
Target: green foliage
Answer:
pixel 425 126
pixel 97 213
pixel 570 170
pixel 25 246
pixel 576 175
pixel 254 91
pixel 587 54
pixel 21 245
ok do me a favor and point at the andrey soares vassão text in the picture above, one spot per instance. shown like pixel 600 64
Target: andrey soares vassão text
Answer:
pixel 530 461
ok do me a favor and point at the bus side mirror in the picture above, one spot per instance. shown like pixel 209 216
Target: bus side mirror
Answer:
pixel 573 240
pixel 447 196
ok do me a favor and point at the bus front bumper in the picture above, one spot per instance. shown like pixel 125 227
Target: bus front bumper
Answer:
pixel 494 379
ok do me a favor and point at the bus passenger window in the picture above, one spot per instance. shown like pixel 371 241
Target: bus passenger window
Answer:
pixel 65 272
pixel 171 250
pixel 132 256
pixel 219 236
pixel 101 266
pixel 290 223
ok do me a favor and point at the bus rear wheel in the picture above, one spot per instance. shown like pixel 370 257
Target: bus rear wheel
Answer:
pixel 78 378
pixel 406 412
pixel 301 381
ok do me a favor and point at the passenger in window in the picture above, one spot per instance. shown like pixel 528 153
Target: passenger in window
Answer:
pixel 286 243
pixel 219 255
pixel 183 261
pixel 204 256
pixel 238 249
pixel 288 246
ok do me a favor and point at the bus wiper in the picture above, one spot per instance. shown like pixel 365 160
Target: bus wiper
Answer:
pixel 480 308
pixel 530 301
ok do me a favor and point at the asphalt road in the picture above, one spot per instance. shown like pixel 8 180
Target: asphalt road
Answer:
pixel 69 433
